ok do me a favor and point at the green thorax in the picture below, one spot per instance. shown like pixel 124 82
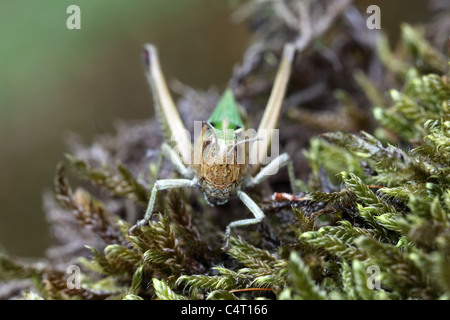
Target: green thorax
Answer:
pixel 226 113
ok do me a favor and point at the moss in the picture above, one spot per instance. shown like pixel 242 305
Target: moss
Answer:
pixel 377 201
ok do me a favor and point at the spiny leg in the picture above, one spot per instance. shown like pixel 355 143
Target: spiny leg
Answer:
pixel 176 161
pixel 162 185
pixel 255 210
pixel 272 168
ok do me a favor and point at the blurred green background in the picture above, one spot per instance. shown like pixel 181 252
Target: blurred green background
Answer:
pixel 54 81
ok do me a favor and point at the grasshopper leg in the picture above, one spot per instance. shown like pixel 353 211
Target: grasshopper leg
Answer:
pixel 170 154
pixel 274 105
pixel 176 161
pixel 162 185
pixel 281 161
pixel 253 207
pixel 165 108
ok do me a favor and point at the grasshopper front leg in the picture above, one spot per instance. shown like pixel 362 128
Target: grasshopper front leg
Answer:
pixel 173 157
pixel 167 184
pixel 254 209
pixel 280 161
pixel 163 185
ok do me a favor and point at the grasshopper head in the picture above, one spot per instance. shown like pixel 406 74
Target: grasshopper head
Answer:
pixel 221 147
pixel 220 170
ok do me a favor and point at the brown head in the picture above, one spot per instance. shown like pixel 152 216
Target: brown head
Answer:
pixel 223 163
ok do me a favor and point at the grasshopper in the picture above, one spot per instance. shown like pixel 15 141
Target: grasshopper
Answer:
pixel 214 167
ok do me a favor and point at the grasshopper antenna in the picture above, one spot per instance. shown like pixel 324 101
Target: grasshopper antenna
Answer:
pixel 244 141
